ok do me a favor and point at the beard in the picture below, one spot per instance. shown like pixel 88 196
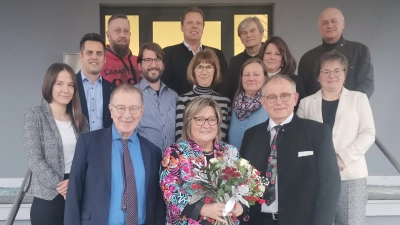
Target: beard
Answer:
pixel 146 75
pixel 121 50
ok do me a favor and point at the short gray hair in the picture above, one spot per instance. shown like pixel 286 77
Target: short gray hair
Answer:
pixel 247 21
pixel 275 77
pixel 125 87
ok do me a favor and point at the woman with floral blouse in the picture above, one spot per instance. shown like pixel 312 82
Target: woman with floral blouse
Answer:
pixel 201 136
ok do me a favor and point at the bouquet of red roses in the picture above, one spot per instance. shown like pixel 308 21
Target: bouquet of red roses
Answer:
pixel 228 181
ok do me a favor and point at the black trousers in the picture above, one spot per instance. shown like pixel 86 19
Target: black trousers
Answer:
pixel 44 212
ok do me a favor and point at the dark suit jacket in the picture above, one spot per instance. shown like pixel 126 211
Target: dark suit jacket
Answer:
pixel 177 59
pixel 107 89
pixel 89 188
pixel 308 186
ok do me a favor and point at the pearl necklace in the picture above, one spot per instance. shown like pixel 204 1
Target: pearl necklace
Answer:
pixel 334 99
pixel 271 74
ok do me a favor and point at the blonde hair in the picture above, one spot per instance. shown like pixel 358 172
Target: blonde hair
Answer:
pixel 195 107
pixel 207 56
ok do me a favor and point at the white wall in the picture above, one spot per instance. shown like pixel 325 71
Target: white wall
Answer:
pixel 34 34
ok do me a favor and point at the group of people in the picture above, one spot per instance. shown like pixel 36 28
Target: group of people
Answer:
pixel 116 143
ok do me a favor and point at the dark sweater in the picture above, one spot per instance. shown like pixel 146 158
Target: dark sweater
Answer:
pixel 177 59
pixel 360 73
pixel 231 80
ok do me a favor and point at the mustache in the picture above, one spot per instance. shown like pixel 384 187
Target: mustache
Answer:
pixel 153 68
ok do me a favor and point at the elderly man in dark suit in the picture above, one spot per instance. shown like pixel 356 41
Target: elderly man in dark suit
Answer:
pixel 115 171
pixel 298 158
pixel 94 91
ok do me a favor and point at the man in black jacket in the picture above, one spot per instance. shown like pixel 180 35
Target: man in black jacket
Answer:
pixel 250 31
pixel 298 158
pixel 94 91
pixel 360 74
pixel 177 57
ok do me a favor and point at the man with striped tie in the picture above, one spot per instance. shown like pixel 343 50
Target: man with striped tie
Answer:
pixel 115 171
pixel 297 157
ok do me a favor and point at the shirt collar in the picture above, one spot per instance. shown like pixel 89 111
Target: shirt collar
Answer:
pixel 190 49
pixel 143 84
pixel 116 135
pixel 85 78
pixel 272 124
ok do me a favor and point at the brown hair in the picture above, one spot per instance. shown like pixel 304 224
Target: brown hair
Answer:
pixel 192 9
pixel 117 16
pixel 74 106
pixel 208 56
pixel 248 62
pixel 288 61
pixel 333 55
pixel 152 47
pixel 194 107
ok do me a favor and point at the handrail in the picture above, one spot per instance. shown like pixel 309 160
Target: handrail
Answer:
pixel 18 200
pixel 387 154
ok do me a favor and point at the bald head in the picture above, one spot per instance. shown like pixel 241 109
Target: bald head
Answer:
pixel 331 25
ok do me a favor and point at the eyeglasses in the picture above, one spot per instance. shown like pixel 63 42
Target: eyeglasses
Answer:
pixel 336 72
pixel 121 109
pixel 149 61
pixel 200 121
pixel 273 98
pixel 200 68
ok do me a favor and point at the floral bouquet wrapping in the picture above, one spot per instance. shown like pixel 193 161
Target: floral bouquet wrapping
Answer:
pixel 228 181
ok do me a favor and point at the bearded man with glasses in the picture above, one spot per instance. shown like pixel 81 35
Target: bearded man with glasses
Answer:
pixel 297 157
pixel 157 123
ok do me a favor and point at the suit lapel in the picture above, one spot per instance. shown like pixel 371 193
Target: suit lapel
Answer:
pixel 317 106
pixel 146 154
pixel 342 103
pixel 54 128
pixel 106 89
pixel 82 96
pixel 106 148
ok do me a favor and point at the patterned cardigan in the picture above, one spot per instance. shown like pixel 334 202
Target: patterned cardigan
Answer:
pixel 176 172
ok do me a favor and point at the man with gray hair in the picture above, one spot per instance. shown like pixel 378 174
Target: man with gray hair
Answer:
pixel 360 74
pixel 250 31
pixel 305 185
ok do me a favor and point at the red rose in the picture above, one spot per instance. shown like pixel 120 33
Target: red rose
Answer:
pixel 207 200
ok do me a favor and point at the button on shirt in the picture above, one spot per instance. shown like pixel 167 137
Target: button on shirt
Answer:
pixel 158 120
pixel 273 208
pixel 94 101
pixel 116 215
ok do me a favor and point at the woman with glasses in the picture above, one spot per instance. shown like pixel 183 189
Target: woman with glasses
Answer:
pixel 201 142
pixel 349 115
pixel 50 134
pixel 277 58
pixel 247 109
pixel 204 73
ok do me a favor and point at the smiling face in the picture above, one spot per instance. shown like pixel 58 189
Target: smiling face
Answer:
pixel 63 89
pixel 206 133
pixel 204 74
pixel 272 58
pixel 332 76
pixel 126 122
pixel 331 25
pixel 251 36
pixel 279 110
pixel 253 78
pixel 92 58
pixel 192 27
pixel 153 72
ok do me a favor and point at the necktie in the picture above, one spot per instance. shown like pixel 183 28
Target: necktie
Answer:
pixel 269 194
pixel 129 198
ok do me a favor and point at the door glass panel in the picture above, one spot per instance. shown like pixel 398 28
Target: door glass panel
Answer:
pixel 166 33
pixel 237 19
pixel 134 23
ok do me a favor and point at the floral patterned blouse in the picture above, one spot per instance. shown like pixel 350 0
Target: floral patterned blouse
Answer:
pixel 177 166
